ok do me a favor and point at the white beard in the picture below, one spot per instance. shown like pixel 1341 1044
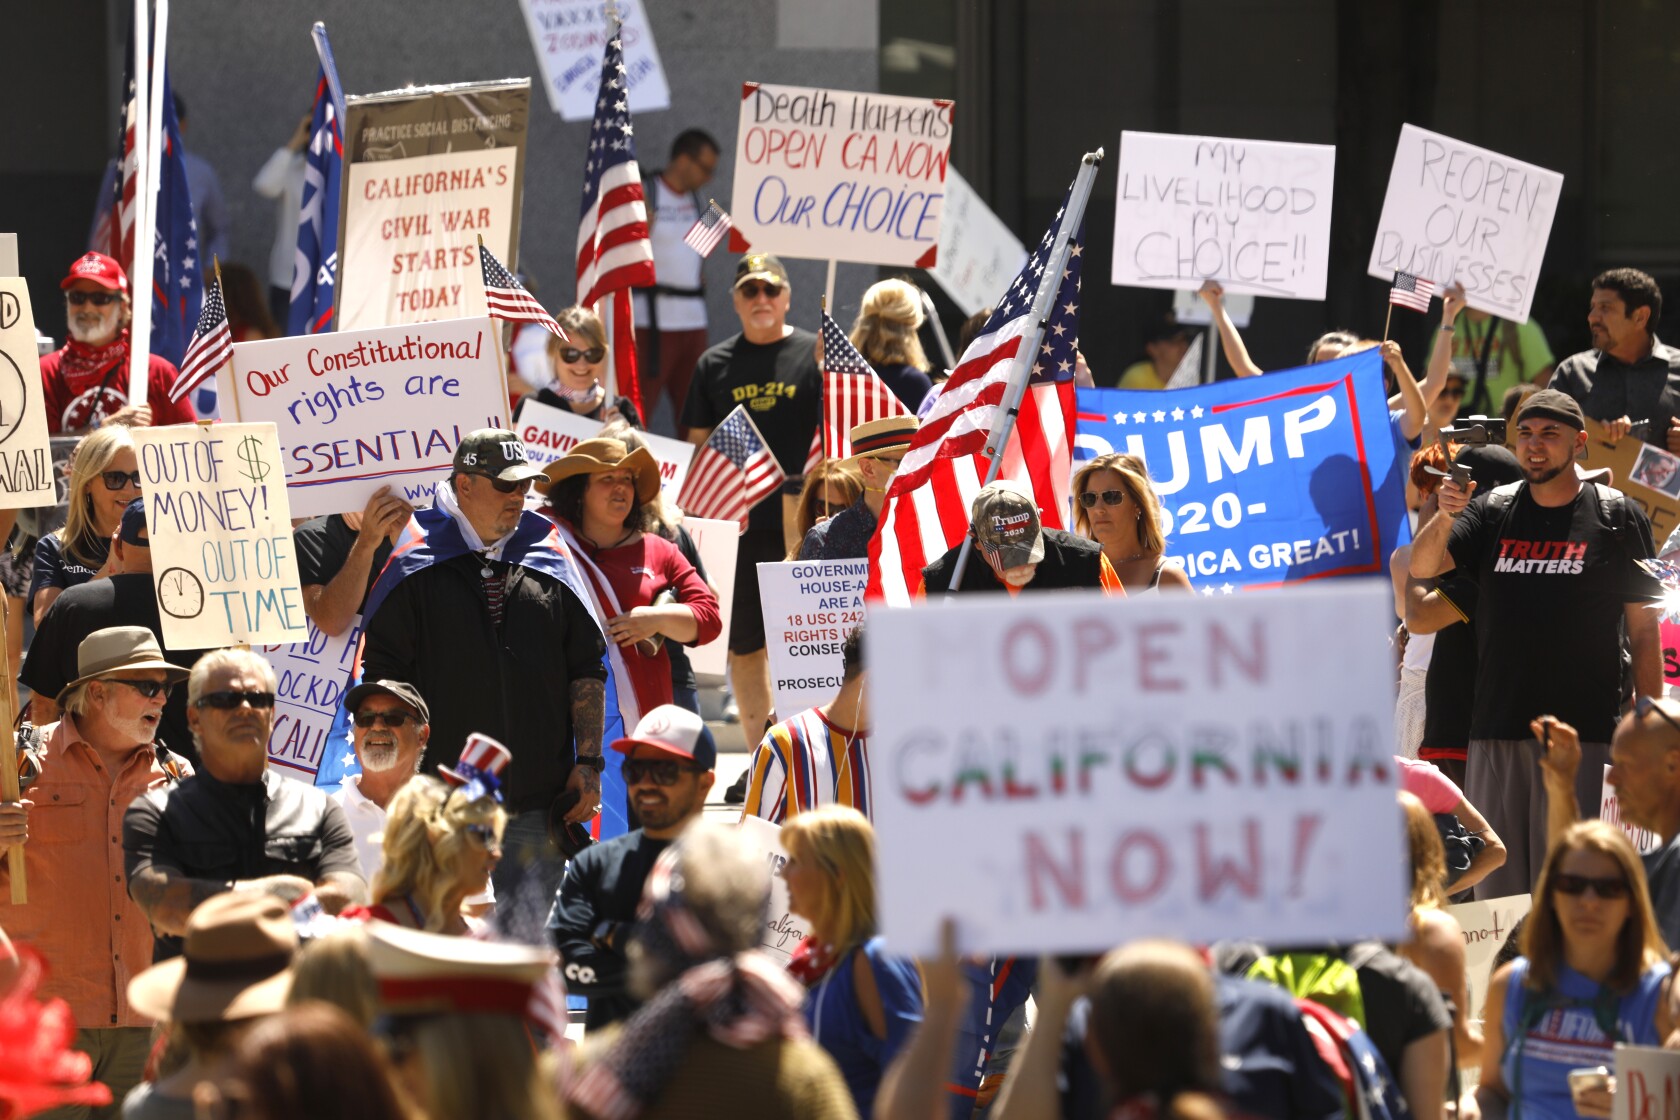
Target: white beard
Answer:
pixel 376 760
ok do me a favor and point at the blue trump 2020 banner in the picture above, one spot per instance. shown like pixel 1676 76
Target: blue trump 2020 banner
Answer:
pixel 1267 480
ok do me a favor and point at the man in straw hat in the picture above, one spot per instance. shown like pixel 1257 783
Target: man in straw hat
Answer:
pixel 878 447
pixel 94 761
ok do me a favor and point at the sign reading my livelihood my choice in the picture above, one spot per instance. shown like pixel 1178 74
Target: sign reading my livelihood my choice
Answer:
pixel 313 676
pixel 26 466
pixel 1252 214
pixel 569 37
pixel 834 175
pixel 365 409
pixel 1187 769
pixel 427 172
pixel 978 254
pixel 1456 212
pixel 809 608
pixel 220 531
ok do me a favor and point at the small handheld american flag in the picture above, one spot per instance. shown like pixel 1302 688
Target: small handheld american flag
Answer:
pixel 211 345
pixel 708 232
pixel 731 473
pixel 853 393
pixel 507 298
pixel 1411 291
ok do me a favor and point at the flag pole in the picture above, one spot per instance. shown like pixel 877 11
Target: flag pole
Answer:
pixel 828 298
pixel 140 266
pixel 501 362
pixel 323 48
pixel 1048 286
pixel 233 377
pixel 1387 319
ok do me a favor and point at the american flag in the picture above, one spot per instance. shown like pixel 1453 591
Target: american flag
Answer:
pixel 507 298
pixel 315 261
pixel 852 392
pixel 927 504
pixel 732 473
pixel 1411 291
pixel 708 231
pixel 211 345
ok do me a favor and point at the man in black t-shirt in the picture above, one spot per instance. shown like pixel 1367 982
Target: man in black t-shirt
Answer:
pixel 339 557
pixel 1556 567
pixel 771 368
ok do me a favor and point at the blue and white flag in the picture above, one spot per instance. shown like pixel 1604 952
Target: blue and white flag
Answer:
pixel 315 267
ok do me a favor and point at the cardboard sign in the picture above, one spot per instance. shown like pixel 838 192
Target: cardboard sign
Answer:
pixel 785 929
pixel 1486 925
pixel 1252 214
pixel 220 530
pixel 570 37
pixel 365 409
pixel 1624 459
pixel 978 255
pixel 1176 768
pixel 1456 212
pixel 550 433
pixel 314 675
pixel 834 175
pixel 427 172
pixel 718 542
pixel 1647 1083
pixel 26 467
pixel 1610 809
pixel 809 608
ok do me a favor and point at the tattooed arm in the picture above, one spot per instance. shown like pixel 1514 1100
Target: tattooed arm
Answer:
pixel 589 697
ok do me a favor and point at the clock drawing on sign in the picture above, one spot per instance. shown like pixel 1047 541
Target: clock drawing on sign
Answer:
pixel 180 593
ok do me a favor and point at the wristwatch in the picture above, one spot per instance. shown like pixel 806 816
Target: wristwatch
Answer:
pixel 592 761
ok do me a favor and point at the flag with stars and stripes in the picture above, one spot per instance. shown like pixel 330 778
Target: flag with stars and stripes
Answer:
pixel 927 504
pixel 315 260
pixel 731 473
pixel 853 393
pixel 507 298
pixel 211 345
pixel 1411 291
pixel 614 251
pixel 708 230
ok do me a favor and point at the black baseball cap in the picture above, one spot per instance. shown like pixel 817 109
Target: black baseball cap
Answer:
pixel 132 528
pixel 1553 405
pixel 402 690
pixel 760 266
pixel 495 453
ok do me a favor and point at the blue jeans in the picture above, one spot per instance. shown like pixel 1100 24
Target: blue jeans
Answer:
pixel 526 879
pixel 686 698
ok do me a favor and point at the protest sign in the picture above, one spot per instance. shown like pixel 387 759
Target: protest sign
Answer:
pixel 1610 809
pixel 717 543
pixel 785 930
pixel 809 608
pixel 1647 1084
pixel 978 254
pixel 1177 768
pixel 427 172
pixel 1456 212
pixel 550 433
pixel 569 37
pixel 26 470
pixel 220 531
pixel 365 409
pixel 313 675
pixel 1252 214
pixel 1190 310
pixel 1624 458
pixel 1487 926
pixel 835 175
pixel 1264 480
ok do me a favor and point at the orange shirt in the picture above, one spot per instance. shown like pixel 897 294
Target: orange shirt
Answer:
pixel 95 938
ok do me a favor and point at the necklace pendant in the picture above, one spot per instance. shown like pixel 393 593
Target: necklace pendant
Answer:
pixel 486 572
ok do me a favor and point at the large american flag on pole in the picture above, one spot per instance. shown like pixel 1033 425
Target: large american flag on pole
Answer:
pixel 506 298
pixel 211 345
pixel 926 511
pixel 853 393
pixel 731 473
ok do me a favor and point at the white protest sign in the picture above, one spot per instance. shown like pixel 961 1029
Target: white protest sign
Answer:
pixel 1192 311
pixel 1610 809
pixel 1252 214
pixel 1454 211
pixel 363 409
pixel 569 37
pixel 835 175
pixel 1198 769
pixel 1647 1083
pixel 717 543
pixel 1486 925
pixel 785 929
pixel 314 675
pixel 220 531
pixel 26 469
pixel 550 433
pixel 978 255
pixel 8 254
pixel 809 608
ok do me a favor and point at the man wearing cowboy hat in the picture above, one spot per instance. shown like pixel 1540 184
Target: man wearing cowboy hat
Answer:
pixel 878 447
pixel 93 762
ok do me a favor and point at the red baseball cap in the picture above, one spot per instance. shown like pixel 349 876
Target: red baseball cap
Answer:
pixel 99 268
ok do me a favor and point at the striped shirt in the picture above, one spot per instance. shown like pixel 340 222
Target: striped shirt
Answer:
pixel 805 762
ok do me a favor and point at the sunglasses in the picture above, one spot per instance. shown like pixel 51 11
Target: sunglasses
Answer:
pixel 228 700
pixel 116 480
pixel 752 289
pixel 1646 705
pixel 484 835
pixel 1109 498
pixel 523 486
pixel 151 690
pixel 1607 889
pixel 396 721
pixel 98 299
pixel 662 771
pixel 570 354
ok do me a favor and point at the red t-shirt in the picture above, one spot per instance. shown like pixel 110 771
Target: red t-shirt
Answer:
pixel 75 400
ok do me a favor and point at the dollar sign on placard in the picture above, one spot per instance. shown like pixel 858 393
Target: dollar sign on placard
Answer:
pixel 250 454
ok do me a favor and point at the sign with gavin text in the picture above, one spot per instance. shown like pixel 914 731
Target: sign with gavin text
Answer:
pixel 570 37
pixel 313 675
pixel 550 433
pixel 809 608
pixel 26 466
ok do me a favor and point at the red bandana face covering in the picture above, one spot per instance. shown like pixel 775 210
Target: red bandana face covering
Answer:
pixel 82 360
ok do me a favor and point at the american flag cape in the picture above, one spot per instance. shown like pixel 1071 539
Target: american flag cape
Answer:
pixel 507 299
pixel 927 503
pixel 853 393
pixel 315 263
pixel 210 348
pixel 731 473
pixel 1411 291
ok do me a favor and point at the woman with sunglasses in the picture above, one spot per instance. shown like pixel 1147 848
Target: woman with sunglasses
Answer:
pixel 104 478
pixel 1592 974
pixel 1114 505
pixel 580 365
pixel 441 843
pixel 830 486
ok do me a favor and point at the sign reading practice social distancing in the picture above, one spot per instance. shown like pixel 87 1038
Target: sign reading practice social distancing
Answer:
pixel 1251 214
pixel 365 409
pixel 314 675
pixel 835 175
pixel 570 36
pixel 978 255
pixel 717 542
pixel 785 929
pixel 1456 212
pixel 1080 775
pixel 550 433
pixel 220 531
pixel 809 608
pixel 26 465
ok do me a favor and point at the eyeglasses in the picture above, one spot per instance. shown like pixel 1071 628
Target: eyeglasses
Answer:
pixel 662 771
pixel 116 480
pixel 151 690
pixel 227 700
pixel 1608 889
pixel 1647 704
pixel 570 354
pixel 98 299
pixel 1109 498
pixel 484 835
pixel 752 289
pixel 523 486
pixel 396 721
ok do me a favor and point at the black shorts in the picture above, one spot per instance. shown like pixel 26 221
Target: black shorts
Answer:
pixel 746 618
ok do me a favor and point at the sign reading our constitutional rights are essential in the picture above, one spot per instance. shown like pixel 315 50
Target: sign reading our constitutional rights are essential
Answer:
pixel 809 608
pixel 26 467
pixel 834 175
pixel 550 433
pixel 1187 769
pixel 569 37
pixel 220 531
pixel 978 254
pixel 363 409
pixel 1264 480
pixel 1251 214
pixel 313 676
pixel 1456 212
